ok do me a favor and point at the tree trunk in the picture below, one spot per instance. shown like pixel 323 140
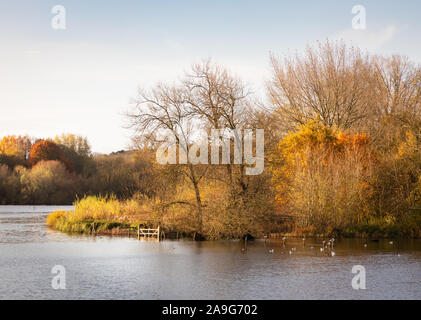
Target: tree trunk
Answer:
pixel 198 199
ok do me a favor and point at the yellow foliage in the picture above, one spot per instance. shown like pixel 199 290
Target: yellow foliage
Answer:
pixel 100 208
pixel 320 174
pixel 55 216
pixel 14 145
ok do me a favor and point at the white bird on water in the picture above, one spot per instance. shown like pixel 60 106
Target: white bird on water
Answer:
pixel 390 242
pixel 271 251
pixel 332 253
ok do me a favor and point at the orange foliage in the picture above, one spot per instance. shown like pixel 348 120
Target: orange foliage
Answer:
pixel 46 150
pixel 316 152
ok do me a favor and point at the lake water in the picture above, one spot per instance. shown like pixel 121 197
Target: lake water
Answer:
pixel 124 268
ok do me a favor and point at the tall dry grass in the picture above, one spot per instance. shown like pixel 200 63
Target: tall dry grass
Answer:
pixel 100 213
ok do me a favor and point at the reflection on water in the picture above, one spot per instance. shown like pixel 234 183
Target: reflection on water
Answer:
pixel 123 268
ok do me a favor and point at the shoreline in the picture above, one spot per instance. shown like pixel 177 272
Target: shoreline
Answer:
pixel 174 235
pixel 109 216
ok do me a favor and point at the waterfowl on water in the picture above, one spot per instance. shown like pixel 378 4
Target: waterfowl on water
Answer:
pixel 271 251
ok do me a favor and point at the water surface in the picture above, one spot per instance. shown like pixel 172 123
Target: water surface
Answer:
pixel 124 268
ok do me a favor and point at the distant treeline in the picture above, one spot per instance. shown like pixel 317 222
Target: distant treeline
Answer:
pixel 342 153
pixel 57 171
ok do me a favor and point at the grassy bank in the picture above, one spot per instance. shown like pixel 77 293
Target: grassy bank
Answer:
pixel 105 215
pixel 108 215
pixel 100 215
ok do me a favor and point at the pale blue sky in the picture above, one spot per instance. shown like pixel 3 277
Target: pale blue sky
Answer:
pixel 80 80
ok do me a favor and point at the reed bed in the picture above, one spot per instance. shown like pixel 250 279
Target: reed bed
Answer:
pixel 100 214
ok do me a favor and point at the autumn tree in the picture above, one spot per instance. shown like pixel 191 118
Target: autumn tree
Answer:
pixel 323 176
pixel 77 149
pixel 9 186
pixel 14 150
pixel 395 126
pixel 48 182
pixel 397 179
pixel 125 174
pixel 46 150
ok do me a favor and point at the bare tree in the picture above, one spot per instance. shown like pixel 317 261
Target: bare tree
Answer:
pixel 329 81
pixel 164 108
pixel 221 101
pixel 398 86
pixel 396 89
